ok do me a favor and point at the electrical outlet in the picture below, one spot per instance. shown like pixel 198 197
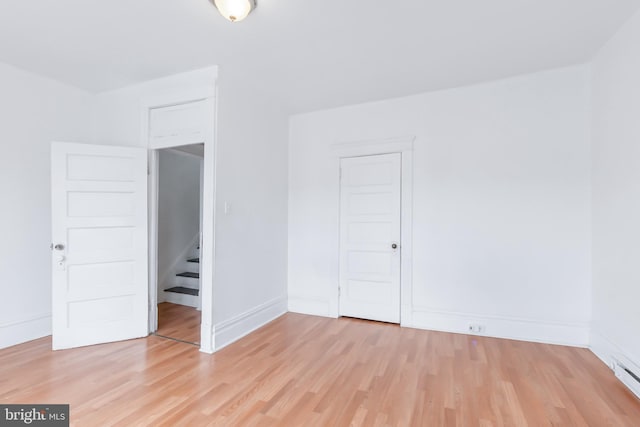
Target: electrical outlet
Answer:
pixel 476 328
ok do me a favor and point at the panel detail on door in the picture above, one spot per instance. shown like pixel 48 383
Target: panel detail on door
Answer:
pixel 370 174
pixel 107 275
pixel 89 241
pixel 100 168
pixel 369 232
pixel 99 204
pixel 370 204
pixel 370 292
pixel 100 311
pixel 370 263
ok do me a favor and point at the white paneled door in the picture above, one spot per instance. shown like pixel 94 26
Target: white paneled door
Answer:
pixel 370 208
pixel 99 247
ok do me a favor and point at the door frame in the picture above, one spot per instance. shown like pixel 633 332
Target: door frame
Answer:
pixel 208 188
pixel 403 146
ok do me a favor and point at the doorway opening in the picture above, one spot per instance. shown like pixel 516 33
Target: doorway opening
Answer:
pixel 179 175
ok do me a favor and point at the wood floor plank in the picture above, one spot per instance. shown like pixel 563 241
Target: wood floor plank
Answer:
pixel 179 322
pixel 310 371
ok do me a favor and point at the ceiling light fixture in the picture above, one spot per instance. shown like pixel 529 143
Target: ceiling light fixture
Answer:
pixel 235 10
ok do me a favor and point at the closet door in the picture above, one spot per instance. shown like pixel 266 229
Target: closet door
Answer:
pixel 370 207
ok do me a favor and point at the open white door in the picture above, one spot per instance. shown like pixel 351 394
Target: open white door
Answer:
pixel 370 196
pixel 99 249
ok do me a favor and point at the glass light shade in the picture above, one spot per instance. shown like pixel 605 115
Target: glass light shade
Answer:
pixel 235 10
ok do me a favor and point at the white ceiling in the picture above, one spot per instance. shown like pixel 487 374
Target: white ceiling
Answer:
pixel 309 54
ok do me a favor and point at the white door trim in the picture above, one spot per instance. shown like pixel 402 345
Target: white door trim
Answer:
pixel 404 146
pixel 207 248
pixel 153 179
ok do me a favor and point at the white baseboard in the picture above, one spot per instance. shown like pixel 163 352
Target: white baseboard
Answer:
pixel 233 329
pixel 607 350
pixel 575 334
pixel 20 331
pixel 311 306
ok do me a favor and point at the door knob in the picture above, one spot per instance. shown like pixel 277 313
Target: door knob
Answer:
pixel 58 247
pixel 394 246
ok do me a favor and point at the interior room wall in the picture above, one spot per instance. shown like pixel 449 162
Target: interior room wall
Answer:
pixel 34 111
pixel 616 196
pixel 501 204
pixel 178 213
pixel 251 233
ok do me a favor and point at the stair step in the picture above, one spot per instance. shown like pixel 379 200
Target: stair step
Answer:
pixel 183 290
pixel 194 260
pixel 189 274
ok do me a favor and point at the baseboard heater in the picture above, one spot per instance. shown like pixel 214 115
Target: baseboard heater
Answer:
pixel 629 374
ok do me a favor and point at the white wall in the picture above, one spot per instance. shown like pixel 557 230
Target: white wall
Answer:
pixel 251 240
pixel 178 213
pixel 501 217
pixel 34 111
pixel 616 196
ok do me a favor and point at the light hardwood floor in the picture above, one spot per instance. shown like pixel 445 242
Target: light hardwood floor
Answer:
pixel 310 371
pixel 179 322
